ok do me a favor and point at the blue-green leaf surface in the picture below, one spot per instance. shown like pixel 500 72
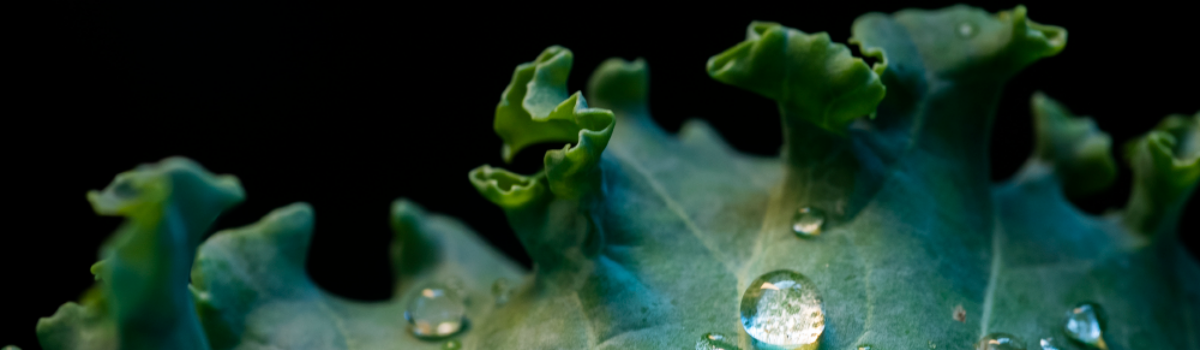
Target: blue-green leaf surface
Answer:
pixel 646 240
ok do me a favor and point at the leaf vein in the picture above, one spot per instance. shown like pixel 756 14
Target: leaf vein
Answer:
pixel 993 276
pixel 675 208
pixel 337 321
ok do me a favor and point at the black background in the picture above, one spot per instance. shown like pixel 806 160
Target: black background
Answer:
pixel 350 108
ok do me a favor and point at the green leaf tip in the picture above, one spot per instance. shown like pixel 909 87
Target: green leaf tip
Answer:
pixel 1165 171
pixel 1080 153
pixel 413 249
pixel 505 188
pixel 276 245
pixel 535 108
pixel 960 42
pixel 141 299
pixel 147 186
pixel 810 77
pixel 619 84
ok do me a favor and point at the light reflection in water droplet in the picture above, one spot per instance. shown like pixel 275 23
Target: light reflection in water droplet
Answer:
pixel 1048 344
pixel 435 312
pixel 783 308
pixel 1085 324
pixel 807 221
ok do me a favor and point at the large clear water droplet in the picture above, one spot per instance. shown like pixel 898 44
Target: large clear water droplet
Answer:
pixel 501 290
pixel 783 308
pixel 1048 344
pixel 435 312
pixel 1000 341
pixel 807 221
pixel 715 341
pixel 452 345
pixel 1085 324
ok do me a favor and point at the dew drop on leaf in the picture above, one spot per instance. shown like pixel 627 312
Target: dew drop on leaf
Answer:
pixel 864 347
pixel 501 290
pixel 1048 344
pixel 452 345
pixel 783 308
pixel 714 341
pixel 435 312
pixel 1085 324
pixel 1000 341
pixel 966 30
pixel 807 221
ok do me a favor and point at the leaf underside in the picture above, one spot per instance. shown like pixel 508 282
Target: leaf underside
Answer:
pixel 646 240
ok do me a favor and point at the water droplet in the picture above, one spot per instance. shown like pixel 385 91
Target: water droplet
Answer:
pixel 807 221
pixel 435 312
pixel 1085 324
pixel 1000 341
pixel 966 30
pixel 501 290
pixel 715 341
pixel 932 345
pixel 452 345
pixel 783 308
pixel 864 347
pixel 1048 344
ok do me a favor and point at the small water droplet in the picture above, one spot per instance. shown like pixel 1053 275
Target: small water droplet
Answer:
pixel 1000 341
pixel 714 341
pixel 1085 324
pixel 435 312
pixel 501 290
pixel 783 308
pixel 807 221
pixel 959 314
pixel 1048 344
pixel 932 345
pixel 452 345
pixel 864 347
pixel 966 30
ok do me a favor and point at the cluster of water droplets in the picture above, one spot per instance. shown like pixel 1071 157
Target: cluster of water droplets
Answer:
pixel 783 308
